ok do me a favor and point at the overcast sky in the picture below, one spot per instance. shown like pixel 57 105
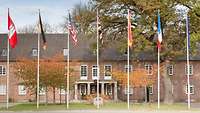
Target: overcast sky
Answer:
pixel 24 12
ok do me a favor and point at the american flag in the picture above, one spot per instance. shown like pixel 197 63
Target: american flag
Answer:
pixel 72 30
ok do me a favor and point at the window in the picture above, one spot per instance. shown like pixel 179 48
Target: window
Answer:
pixel 149 69
pixel 94 72
pixel 130 90
pixel 83 72
pixel 82 89
pixel 151 90
pixel 42 91
pixel 108 89
pixel 34 52
pixel 21 90
pixel 126 68
pixel 2 89
pixel 191 89
pixel 170 70
pixel 190 70
pixel 107 71
pixel 2 70
pixel 4 52
pixel 65 52
pixel 62 91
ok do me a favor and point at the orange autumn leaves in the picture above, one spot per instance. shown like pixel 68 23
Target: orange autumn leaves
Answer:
pixel 138 78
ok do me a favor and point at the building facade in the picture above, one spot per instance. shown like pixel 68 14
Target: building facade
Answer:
pixel 83 62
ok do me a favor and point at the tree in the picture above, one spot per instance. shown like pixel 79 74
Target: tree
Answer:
pixel 52 74
pixel 144 18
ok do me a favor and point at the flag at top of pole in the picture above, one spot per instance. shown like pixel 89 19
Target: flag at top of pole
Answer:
pixel 159 32
pixel 72 31
pixel 12 34
pixel 129 30
pixel 42 32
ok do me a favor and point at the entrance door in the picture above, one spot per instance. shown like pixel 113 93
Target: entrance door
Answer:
pixel 147 94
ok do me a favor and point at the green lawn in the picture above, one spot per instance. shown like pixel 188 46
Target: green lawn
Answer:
pixel 81 106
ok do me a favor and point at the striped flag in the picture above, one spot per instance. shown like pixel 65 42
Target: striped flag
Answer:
pixel 100 31
pixel 159 32
pixel 129 30
pixel 12 34
pixel 72 30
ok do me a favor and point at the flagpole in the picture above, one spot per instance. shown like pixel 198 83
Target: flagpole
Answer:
pixel 68 68
pixel 158 77
pixel 97 59
pixel 38 67
pixel 8 72
pixel 128 64
pixel 188 63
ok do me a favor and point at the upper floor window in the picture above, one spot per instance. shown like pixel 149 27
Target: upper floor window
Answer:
pixel 170 70
pixel 21 90
pixel 83 72
pixel 149 69
pixel 126 68
pixel 34 52
pixel 4 52
pixel 107 70
pixel 94 70
pixel 2 70
pixel 65 51
pixel 190 70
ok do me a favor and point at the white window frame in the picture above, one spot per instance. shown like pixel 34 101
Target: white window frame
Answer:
pixel 84 77
pixel 190 69
pixel 126 90
pixel 4 52
pixel 2 70
pixel 191 86
pixel 107 77
pixel 151 90
pixel 65 52
pixel 170 70
pixel 34 52
pixel 147 68
pixel 2 89
pixel 21 90
pixel 126 68
pixel 94 77
pixel 42 91
pixel 62 91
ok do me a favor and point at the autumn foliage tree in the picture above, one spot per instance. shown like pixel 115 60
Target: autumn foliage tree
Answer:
pixel 52 74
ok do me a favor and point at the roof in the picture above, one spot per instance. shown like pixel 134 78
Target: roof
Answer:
pixel 57 42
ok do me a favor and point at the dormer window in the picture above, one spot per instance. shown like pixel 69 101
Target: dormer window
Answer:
pixel 65 51
pixel 34 52
pixel 4 52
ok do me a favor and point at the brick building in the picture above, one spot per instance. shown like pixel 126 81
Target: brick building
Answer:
pixel 83 61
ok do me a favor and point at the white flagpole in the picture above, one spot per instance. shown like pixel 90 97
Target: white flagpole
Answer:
pixel 188 63
pixel 158 78
pixel 8 72
pixel 68 68
pixel 128 73
pixel 38 64
pixel 97 59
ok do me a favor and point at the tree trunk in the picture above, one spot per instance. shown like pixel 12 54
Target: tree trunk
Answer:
pixel 60 96
pixel 168 96
pixel 46 95
pixel 54 95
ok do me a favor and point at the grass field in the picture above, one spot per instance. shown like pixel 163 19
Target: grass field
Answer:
pixel 106 106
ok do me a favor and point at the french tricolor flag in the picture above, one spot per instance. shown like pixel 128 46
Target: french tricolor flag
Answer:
pixel 159 32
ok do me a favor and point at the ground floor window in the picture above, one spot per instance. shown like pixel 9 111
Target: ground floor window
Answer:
pixel 2 89
pixel 21 90
pixel 191 89
pixel 83 89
